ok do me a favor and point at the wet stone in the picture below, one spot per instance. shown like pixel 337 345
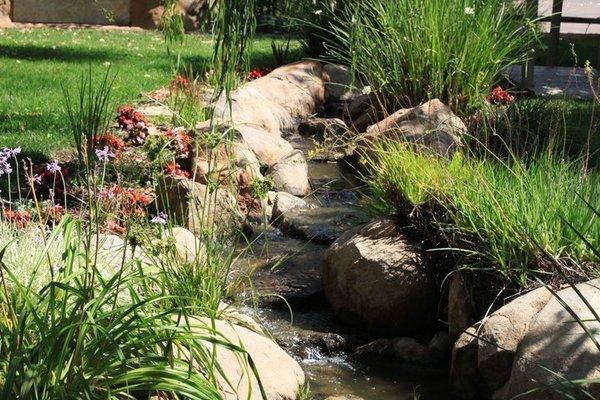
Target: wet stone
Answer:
pixel 284 271
pixel 322 225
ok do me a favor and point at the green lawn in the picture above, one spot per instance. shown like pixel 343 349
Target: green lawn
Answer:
pixel 34 63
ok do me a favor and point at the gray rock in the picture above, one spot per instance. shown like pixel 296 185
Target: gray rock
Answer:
pixel 195 207
pixel 321 128
pixel 439 345
pixel 556 342
pixel 460 309
pixel 324 224
pixel 375 277
pixel 295 277
pixel 284 202
pixel 464 374
pixel 340 84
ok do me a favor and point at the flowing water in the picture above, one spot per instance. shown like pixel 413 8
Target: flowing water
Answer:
pixel 306 328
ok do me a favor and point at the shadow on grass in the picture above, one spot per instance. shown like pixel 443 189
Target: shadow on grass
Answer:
pixel 62 53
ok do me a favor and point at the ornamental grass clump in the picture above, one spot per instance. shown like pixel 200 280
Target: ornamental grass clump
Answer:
pixel 494 214
pixel 416 50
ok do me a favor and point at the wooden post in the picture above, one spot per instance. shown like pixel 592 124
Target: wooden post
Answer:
pixel 553 38
pixel 532 7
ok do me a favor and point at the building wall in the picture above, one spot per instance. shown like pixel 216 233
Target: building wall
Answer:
pixel 100 12
pixel 5 8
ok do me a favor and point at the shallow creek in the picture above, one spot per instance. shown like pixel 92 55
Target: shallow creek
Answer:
pixel 303 325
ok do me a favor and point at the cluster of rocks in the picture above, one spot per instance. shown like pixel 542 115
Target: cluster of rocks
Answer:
pixel 372 274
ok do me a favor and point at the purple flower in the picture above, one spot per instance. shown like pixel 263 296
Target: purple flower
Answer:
pixel 160 219
pixel 105 155
pixel 53 167
pixel 5 167
pixel 36 179
pixel 7 152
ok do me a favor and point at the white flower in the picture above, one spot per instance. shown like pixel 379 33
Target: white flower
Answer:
pixel 366 90
pixel 318 12
pixel 469 10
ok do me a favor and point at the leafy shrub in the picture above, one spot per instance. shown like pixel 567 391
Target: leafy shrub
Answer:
pixel 415 50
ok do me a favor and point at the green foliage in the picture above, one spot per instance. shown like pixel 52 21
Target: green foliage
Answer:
pixel 172 23
pixel 259 188
pixel 91 333
pixel 233 31
pixel 89 113
pixel 412 51
pixel 560 125
pixel 29 59
pixel 497 213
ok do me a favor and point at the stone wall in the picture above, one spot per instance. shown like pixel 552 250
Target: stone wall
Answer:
pixel 97 12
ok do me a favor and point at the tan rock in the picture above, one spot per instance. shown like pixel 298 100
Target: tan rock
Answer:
pixel 284 202
pixel 268 148
pixel 374 276
pixel 557 344
pixel 501 334
pixel 280 374
pixel 188 247
pixel 464 374
pixel 290 174
pixel 431 125
pixel 460 309
pixel 193 205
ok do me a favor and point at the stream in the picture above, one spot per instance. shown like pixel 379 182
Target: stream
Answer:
pixel 286 263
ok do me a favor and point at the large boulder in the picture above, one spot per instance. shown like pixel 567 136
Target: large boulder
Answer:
pixel 264 108
pixel 464 374
pixel 501 333
pixel 556 343
pixel 484 353
pixel 188 248
pixel 148 14
pixel 341 85
pixel 5 14
pixel 373 275
pixel 269 148
pixel 432 126
pixel 275 101
pixel 280 375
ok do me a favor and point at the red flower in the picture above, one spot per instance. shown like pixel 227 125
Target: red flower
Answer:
pixel 180 83
pixel 54 213
pixel 114 143
pixel 257 73
pixel 114 227
pixel 19 218
pixel 181 140
pixel 499 96
pixel 175 169
pixel 133 123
